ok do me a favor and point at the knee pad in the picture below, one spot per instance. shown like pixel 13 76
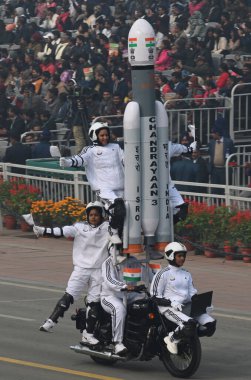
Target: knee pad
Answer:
pixel 117 212
pixel 92 315
pixel 61 307
pixel 210 329
pixel 189 328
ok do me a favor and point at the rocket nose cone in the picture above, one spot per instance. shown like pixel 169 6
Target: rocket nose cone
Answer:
pixel 141 27
pixel 141 44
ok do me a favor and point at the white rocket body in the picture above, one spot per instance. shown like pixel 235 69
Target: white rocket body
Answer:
pixel 132 228
pixel 149 141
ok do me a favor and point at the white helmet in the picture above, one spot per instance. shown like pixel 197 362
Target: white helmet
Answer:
pixel 173 248
pixel 95 128
pixel 95 204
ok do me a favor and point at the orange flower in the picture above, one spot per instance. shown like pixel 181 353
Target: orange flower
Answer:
pixel 65 212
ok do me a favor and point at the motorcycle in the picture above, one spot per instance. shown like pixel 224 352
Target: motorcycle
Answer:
pixel 145 329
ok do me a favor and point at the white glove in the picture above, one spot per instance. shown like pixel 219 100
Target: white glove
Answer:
pixel 29 219
pixel 38 231
pixel 64 162
pixel 191 130
pixel 177 305
pixel 193 146
pixel 210 309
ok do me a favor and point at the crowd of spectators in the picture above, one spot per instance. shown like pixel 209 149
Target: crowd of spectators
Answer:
pixel 66 61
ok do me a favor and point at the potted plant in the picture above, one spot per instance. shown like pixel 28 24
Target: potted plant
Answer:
pixel 16 197
pixel 240 225
pixel 206 226
pixel 186 230
pixel 227 241
pixel 9 217
pixel 5 187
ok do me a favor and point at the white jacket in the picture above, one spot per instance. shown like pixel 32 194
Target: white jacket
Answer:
pixel 114 276
pixel 174 284
pixel 90 244
pixel 104 166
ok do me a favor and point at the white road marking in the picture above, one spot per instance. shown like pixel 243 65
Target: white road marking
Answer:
pixel 30 286
pixel 223 315
pixel 232 316
pixel 29 300
pixel 19 318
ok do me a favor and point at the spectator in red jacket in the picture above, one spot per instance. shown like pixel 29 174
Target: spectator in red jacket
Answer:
pixel 196 5
pixel 223 77
pixel 164 60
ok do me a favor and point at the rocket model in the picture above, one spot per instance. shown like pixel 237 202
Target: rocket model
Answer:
pixel 146 150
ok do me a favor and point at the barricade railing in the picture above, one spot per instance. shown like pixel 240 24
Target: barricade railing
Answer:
pixel 236 177
pixel 58 136
pixel 240 113
pixel 202 113
pixel 56 184
pixel 182 112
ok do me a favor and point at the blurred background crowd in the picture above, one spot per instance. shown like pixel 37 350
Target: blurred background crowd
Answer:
pixel 66 61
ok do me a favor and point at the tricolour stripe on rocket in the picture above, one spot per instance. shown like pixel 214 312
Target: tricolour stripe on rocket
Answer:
pixel 150 41
pixel 132 274
pixel 154 267
pixel 133 42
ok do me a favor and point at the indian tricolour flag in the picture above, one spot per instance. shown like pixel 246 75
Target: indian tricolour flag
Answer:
pixel 154 267
pixel 132 274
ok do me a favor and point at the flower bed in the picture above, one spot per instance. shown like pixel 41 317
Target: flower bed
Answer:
pixel 16 196
pixel 62 213
pixel 210 224
pixel 240 226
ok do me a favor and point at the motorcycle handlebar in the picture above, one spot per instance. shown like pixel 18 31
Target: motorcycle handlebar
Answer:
pixel 136 288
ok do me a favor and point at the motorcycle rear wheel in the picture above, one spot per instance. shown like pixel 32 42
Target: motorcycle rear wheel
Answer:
pixel 106 362
pixel 186 363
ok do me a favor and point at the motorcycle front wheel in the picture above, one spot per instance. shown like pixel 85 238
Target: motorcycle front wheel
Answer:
pixel 186 363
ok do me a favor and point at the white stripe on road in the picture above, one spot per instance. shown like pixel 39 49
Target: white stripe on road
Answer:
pixel 30 286
pixel 19 318
pixel 223 315
pixel 29 300
pixel 232 316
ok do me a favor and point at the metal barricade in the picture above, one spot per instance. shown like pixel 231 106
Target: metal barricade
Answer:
pixel 240 115
pixel 200 112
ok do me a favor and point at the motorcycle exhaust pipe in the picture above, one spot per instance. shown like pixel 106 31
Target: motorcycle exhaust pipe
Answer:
pixel 103 355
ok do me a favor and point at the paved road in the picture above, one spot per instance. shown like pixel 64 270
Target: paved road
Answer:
pixel 48 261
pixel 33 273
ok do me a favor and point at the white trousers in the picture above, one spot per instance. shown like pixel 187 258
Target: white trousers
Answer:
pixel 175 198
pixel 179 317
pixel 85 279
pixel 116 307
pixel 108 196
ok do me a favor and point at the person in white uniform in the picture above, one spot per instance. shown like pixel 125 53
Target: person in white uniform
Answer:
pixel 175 285
pixel 104 164
pixel 89 252
pixel 179 207
pixel 117 292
